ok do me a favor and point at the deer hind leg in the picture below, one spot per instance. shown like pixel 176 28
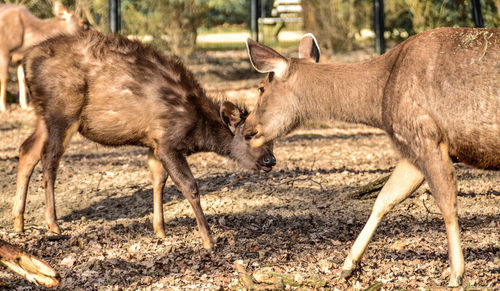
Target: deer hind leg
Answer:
pixel 4 66
pixel 178 169
pixel 405 179
pixel 23 100
pixel 29 156
pixel 440 174
pixel 159 177
pixel 58 138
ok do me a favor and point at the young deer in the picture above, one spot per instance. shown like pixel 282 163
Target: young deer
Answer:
pixel 20 30
pixel 117 92
pixel 437 95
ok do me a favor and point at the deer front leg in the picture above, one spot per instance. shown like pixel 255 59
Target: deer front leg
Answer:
pixel 178 169
pixel 23 100
pixel 405 179
pixel 159 177
pixel 440 174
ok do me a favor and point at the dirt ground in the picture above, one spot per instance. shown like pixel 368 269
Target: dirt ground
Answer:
pixel 296 223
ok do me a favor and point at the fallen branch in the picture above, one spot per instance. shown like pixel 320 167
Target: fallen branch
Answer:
pixel 292 181
pixel 424 198
pixel 375 287
pixel 245 279
pixel 371 189
pixel 281 281
pixel 27 266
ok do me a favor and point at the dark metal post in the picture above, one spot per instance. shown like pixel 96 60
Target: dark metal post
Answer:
pixel 263 8
pixel 378 23
pixel 477 14
pixel 114 16
pixel 254 26
pixel 261 28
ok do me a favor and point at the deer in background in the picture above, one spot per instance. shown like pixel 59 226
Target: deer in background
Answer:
pixel 20 30
pixel 437 95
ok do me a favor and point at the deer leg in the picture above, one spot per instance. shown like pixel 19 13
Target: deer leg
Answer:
pixel 3 94
pixel 23 100
pixel 178 169
pixel 159 177
pixel 4 66
pixel 440 174
pixel 29 155
pixel 405 179
pixel 58 138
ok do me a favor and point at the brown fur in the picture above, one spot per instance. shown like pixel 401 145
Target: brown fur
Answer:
pixel 118 92
pixel 437 95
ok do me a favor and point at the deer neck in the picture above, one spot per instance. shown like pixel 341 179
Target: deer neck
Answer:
pixel 38 30
pixel 213 136
pixel 347 92
pixel 210 134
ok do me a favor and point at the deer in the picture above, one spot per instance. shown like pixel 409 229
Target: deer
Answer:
pixel 117 92
pixel 20 30
pixel 436 95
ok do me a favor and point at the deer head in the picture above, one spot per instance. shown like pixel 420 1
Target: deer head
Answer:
pixel 240 149
pixel 278 107
pixel 68 20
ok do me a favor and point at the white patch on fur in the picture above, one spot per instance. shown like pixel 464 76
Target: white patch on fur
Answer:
pixel 280 69
pixel 180 109
pixel 315 42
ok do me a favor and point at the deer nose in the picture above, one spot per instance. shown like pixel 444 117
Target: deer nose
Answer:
pixel 268 161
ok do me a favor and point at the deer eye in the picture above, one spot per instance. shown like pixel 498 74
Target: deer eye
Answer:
pixel 249 136
pixel 261 90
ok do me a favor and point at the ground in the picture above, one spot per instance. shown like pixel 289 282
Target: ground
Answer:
pixel 296 222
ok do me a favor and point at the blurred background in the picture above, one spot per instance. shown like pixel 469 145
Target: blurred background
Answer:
pixel 301 217
pixel 181 27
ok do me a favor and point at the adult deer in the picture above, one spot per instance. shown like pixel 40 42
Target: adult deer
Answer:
pixel 20 30
pixel 437 95
pixel 118 92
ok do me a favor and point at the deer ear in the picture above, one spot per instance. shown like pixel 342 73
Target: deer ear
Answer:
pixel 230 115
pixel 264 59
pixel 308 48
pixel 60 11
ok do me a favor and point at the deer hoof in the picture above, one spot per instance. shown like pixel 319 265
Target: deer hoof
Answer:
pixel 208 244
pixel 345 274
pixel 19 224
pixel 54 228
pixel 349 266
pixel 160 234
pixel 455 281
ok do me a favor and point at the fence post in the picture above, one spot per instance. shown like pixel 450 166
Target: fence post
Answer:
pixel 254 26
pixel 477 14
pixel 378 23
pixel 114 16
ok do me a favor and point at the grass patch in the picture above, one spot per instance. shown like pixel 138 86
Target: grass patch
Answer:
pixel 222 29
pixel 242 46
